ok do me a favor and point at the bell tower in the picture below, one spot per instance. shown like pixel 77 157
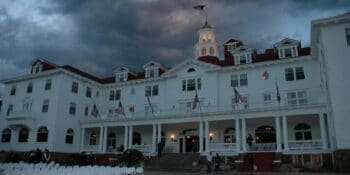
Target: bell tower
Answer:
pixel 206 45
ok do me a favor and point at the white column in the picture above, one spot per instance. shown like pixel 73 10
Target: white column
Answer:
pixel 101 138
pixel 244 135
pixel 285 132
pixel 105 139
pixel 278 133
pixel 323 131
pixel 200 137
pixel 154 138
pixel 125 137
pixel 130 136
pixel 159 135
pixel 82 139
pixel 206 136
pixel 238 136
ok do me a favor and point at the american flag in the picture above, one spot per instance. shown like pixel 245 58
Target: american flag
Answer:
pixel 94 111
pixel 150 104
pixel 278 96
pixel 238 97
pixel 120 109
pixel 195 102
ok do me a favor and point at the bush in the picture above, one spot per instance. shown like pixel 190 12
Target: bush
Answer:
pixel 132 157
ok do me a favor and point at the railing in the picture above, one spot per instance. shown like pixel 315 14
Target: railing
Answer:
pixel 189 112
pixel 263 147
pixel 304 144
pixel 222 147
pixel 142 148
pixel 93 148
pixel 20 116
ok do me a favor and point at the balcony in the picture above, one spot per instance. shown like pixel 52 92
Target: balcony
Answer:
pixel 222 147
pixel 91 148
pixel 204 110
pixel 21 119
pixel 305 144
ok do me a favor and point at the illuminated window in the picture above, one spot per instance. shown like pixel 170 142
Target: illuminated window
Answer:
pixel 203 51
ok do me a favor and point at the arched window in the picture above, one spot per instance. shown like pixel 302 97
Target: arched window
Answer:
pixel 93 137
pixel 6 135
pixel 23 135
pixel 230 135
pixel 211 51
pixel 43 134
pixel 303 132
pixel 203 51
pixel 70 136
pixel 191 69
pixel 136 138
pixel 111 141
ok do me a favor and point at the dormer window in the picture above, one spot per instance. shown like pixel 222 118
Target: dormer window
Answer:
pixel 243 58
pixel 152 71
pixel 231 46
pixel 287 52
pixel 122 76
pixel 37 68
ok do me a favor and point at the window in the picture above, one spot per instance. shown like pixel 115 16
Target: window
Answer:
pixel 45 107
pixel 347 33
pixel 9 110
pixel 203 51
pixel 111 141
pixel 230 135
pixel 93 138
pixel 23 135
pixel 86 111
pixel 191 84
pixel 111 95
pixel 30 88
pixel 43 134
pixel 231 46
pixel 151 90
pixel 303 132
pixel 242 59
pixel 69 136
pixel 152 71
pixel 122 76
pixel 244 102
pixel 299 73
pixel 48 84
pixel 191 70
pixel 88 92
pixel 297 97
pixel 136 138
pixel 72 108
pixel 243 80
pixel 289 73
pixel 13 90
pixel 211 51
pixel 75 87
pixel 6 135
pixel 117 95
pixel 288 52
pixel 267 98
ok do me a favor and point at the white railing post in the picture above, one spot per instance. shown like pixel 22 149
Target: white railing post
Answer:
pixel 82 139
pixel 206 136
pixel 159 134
pixel 244 135
pixel 104 141
pixel 323 131
pixel 285 132
pixel 238 136
pixel 101 139
pixel 130 136
pixel 125 137
pixel 154 130
pixel 200 137
pixel 278 133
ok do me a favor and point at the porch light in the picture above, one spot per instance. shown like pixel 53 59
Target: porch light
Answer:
pixel 172 137
pixel 211 136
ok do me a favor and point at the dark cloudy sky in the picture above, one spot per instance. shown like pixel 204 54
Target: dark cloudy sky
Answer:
pixel 99 35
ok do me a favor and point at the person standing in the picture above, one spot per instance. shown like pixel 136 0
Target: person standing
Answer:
pixel 250 141
pixel 217 164
pixel 160 149
pixel 209 160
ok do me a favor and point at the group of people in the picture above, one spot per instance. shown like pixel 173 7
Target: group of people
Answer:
pixel 217 162
pixel 36 156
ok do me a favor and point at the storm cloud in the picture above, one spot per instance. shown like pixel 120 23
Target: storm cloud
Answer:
pixel 97 36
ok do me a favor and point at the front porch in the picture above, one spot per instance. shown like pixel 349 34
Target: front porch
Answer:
pixel 286 134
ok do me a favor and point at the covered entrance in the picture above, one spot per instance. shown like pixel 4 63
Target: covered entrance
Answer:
pixel 192 143
pixel 265 134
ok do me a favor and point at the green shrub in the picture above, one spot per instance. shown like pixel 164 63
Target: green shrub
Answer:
pixel 132 157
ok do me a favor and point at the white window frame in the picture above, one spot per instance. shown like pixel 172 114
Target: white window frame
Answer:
pixel 243 56
pixel 239 79
pixel 197 84
pixel 293 50
pixel 299 99
pixel 154 69
pixel 122 76
pixel 150 89
pixel 267 97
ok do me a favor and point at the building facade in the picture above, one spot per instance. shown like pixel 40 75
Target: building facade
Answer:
pixel 286 101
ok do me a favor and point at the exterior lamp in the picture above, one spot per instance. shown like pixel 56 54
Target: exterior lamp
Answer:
pixel 172 137
pixel 211 136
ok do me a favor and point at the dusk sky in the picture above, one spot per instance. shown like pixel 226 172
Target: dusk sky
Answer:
pixel 97 36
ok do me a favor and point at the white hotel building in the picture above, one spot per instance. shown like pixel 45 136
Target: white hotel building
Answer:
pixel 51 107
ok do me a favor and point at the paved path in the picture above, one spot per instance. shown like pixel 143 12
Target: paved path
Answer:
pixel 235 173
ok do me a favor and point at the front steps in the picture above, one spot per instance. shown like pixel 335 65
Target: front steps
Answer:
pixel 263 160
pixel 176 162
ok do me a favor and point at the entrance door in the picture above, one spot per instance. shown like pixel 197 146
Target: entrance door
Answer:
pixel 265 134
pixel 192 143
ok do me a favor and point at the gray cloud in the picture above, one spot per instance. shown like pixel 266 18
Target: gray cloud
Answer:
pixel 98 36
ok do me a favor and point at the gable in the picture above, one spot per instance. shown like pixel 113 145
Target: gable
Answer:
pixel 183 67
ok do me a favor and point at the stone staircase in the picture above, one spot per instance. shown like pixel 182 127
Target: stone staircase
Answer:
pixel 263 160
pixel 176 162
